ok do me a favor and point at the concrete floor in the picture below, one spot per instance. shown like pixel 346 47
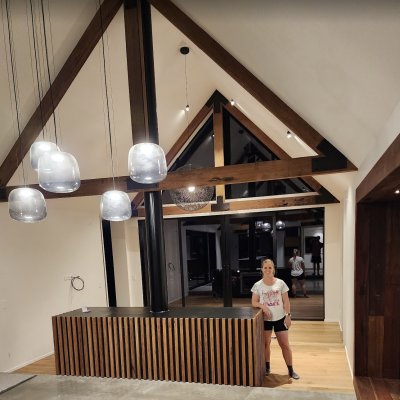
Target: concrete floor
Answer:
pixel 46 387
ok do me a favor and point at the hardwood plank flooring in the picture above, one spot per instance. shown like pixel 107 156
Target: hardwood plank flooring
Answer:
pixel 318 354
pixel 300 307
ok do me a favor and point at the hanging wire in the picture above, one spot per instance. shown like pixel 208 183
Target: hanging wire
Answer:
pixel 48 72
pixel 10 41
pixel 37 69
pixel 105 83
pixel 9 81
pixel 187 98
pixel 41 62
pixel 57 111
pixel 187 112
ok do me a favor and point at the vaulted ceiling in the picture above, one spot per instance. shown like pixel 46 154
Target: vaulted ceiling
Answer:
pixel 337 66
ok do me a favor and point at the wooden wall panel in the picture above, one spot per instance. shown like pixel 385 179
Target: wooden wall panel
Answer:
pixel 106 347
pixel 75 345
pixel 95 347
pixel 377 290
pixel 218 351
pixel 111 346
pixel 55 343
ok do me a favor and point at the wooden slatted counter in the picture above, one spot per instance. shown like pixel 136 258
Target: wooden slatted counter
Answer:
pixel 221 345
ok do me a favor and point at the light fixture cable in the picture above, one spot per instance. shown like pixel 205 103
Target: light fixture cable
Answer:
pixel 15 89
pixel 105 83
pixel 37 69
pixel 48 73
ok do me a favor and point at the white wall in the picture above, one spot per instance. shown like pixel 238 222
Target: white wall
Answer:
pixel 333 262
pixel 133 262
pixel 120 260
pixel 389 132
pixel 34 260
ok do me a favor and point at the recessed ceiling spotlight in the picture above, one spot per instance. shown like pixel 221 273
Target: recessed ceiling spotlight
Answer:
pixel 187 107
pixel 397 191
pixel 232 102
pixel 289 134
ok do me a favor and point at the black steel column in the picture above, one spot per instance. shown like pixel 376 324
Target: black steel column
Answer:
pixel 153 200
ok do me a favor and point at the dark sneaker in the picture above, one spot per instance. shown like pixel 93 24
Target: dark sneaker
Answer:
pixel 267 372
pixel 294 375
pixel 306 296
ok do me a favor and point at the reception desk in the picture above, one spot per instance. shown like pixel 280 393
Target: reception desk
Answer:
pixel 208 345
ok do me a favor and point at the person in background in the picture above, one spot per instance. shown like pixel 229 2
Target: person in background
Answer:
pixel 316 253
pixel 270 294
pixel 298 272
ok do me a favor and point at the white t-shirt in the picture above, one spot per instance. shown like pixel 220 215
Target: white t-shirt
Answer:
pixel 271 296
pixel 296 266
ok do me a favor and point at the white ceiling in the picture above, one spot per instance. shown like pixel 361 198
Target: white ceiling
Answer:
pixel 337 66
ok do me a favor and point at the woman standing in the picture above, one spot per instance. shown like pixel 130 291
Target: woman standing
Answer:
pixel 270 294
pixel 298 273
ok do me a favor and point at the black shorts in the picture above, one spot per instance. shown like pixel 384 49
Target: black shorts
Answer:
pixel 316 259
pixel 277 325
pixel 300 277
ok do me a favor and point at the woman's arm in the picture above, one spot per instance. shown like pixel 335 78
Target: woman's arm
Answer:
pixel 286 306
pixel 255 303
pixel 303 266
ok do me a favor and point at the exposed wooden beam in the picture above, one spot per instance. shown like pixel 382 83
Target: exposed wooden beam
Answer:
pixel 243 76
pixel 136 77
pixel 59 87
pixel 267 141
pixel 254 204
pixel 242 173
pixel 89 187
pixel 383 180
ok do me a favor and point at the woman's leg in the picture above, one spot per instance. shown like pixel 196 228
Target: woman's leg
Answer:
pixel 303 286
pixel 283 340
pixel 294 282
pixel 267 337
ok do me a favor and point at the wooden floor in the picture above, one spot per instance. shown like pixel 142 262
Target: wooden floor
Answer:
pixel 376 389
pixel 301 308
pixel 319 359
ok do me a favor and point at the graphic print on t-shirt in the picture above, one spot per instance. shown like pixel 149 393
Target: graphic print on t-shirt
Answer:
pixel 271 298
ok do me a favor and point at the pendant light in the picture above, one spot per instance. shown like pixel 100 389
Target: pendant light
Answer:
pixel 43 146
pixel 280 225
pixel 190 198
pixel 115 205
pixel 24 204
pixel 58 172
pixel 147 163
pixel 266 227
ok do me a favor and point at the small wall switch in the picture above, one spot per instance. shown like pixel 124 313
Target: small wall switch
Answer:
pixel 99 285
pixel 67 278
pixel 3 304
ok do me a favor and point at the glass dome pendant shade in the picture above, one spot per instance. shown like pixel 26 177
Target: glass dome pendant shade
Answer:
pixel 266 227
pixel 280 225
pixel 115 206
pixel 146 163
pixel 58 172
pixel 27 205
pixel 38 149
